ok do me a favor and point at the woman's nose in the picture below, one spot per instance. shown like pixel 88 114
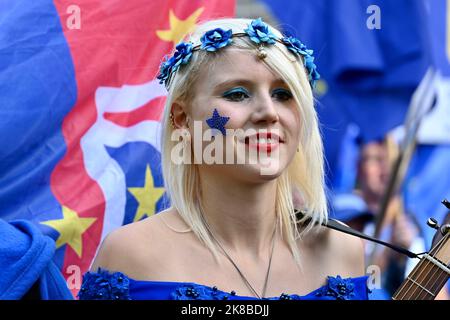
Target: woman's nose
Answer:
pixel 265 110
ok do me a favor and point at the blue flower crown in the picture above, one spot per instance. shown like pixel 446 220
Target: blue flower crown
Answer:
pixel 215 39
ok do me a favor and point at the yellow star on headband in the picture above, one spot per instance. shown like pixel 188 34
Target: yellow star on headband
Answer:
pixel 179 28
pixel 71 228
pixel 146 196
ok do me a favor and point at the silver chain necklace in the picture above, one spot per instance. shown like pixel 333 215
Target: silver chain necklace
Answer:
pixel 241 274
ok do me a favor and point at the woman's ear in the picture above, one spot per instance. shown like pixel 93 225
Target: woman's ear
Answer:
pixel 179 117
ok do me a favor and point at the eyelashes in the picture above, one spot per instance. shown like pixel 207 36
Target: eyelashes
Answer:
pixel 282 94
pixel 240 94
pixel 236 94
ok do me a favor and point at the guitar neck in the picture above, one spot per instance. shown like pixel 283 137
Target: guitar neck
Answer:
pixel 429 275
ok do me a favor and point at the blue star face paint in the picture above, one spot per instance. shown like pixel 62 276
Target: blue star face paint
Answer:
pixel 217 122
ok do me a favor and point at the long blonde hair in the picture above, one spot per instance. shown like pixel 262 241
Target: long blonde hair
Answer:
pixel 304 175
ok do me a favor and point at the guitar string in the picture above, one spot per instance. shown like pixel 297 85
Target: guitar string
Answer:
pixel 409 285
pixel 404 289
pixel 426 264
pixel 434 265
pixel 443 281
pixel 402 293
pixel 419 269
pixel 445 275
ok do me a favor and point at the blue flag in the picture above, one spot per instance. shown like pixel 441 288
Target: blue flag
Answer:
pixel 371 55
pixel 427 184
pixel 428 179
pixel 439 34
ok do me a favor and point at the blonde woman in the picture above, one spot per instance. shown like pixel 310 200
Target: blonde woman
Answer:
pixel 232 231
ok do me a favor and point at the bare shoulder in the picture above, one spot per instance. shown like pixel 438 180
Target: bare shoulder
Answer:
pixel 135 249
pixel 343 254
pixel 349 251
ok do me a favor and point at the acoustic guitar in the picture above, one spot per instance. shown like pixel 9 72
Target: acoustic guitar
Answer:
pixel 430 274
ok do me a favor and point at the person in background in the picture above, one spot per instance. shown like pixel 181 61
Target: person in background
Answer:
pixel 351 209
pixel 360 209
pixel 397 227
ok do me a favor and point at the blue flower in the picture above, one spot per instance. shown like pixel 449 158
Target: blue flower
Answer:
pixel 296 46
pixel 164 70
pixel 259 32
pixel 341 289
pixel 119 286
pixel 285 296
pixel 216 39
pixel 103 285
pixel 182 55
pixel 199 292
pixel 312 70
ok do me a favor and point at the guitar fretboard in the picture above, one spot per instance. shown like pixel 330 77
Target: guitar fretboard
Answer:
pixel 428 277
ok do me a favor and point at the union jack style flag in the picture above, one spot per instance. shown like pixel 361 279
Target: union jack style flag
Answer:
pixel 79 114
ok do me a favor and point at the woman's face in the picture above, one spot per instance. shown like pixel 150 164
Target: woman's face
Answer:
pixel 374 169
pixel 257 101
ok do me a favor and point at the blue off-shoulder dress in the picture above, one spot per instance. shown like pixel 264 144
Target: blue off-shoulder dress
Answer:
pixel 105 285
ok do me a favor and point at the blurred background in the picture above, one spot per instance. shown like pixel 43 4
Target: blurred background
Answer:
pixel 80 109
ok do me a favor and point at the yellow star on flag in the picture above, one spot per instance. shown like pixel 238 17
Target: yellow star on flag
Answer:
pixel 71 228
pixel 179 28
pixel 146 196
pixel 321 88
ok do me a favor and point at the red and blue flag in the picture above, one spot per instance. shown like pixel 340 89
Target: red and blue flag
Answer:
pixel 79 114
